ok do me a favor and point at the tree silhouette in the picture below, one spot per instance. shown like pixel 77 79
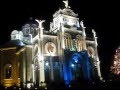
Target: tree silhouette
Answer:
pixel 115 68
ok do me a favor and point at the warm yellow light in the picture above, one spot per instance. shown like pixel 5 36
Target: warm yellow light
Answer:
pixel 8 82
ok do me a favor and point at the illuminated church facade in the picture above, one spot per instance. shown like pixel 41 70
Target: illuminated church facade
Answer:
pixel 62 53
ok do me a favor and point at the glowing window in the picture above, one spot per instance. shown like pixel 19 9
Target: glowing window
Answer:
pixel 68 41
pixel 8 71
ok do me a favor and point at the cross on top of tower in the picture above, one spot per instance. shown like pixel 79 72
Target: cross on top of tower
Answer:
pixel 66 4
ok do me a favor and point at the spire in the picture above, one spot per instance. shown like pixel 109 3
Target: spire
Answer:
pixel 82 24
pixel 83 28
pixel 94 36
pixel 66 4
pixel 94 33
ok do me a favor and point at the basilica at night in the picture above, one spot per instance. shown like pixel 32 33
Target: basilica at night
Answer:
pixel 35 56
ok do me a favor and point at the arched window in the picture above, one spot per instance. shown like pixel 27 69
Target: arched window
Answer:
pixel 8 71
pixel 68 41
pixel 79 42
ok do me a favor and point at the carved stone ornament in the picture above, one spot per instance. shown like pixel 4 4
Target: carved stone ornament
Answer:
pixel 65 11
pixel 50 48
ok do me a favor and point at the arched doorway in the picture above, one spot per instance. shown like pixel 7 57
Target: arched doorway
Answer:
pixel 8 71
pixel 76 66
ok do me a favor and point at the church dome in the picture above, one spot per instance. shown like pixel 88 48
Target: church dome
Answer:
pixel 30 27
pixel 31 21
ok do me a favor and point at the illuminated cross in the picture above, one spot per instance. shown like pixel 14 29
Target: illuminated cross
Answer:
pixel 66 4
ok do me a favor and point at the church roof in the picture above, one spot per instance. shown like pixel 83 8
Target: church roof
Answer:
pixel 13 43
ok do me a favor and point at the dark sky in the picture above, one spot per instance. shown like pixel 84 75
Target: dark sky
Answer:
pixel 102 15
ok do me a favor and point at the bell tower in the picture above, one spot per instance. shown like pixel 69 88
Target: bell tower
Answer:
pixel 66 17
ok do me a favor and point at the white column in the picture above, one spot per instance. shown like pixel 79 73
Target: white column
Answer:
pixel 96 56
pixel 51 69
pixel 42 74
pixel 33 74
pixel 40 51
pixel 62 36
pixel 84 34
pixel 97 59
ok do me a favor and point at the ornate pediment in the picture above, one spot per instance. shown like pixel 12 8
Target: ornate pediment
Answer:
pixel 65 11
pixel 69 12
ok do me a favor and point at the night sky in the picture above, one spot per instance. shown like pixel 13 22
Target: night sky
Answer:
pixel 100 15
